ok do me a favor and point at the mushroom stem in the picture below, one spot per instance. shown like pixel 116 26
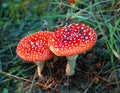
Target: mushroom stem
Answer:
pixel 40 66
pixel 71 63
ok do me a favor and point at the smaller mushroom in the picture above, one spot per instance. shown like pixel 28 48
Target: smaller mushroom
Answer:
pixel 34 48
pixel 70 41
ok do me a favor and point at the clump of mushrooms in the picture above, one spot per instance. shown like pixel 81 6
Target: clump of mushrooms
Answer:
pixel 70 41
pixel 34 48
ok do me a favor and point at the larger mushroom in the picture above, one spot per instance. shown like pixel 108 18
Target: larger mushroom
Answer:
pixel 34 48
pixel 70 41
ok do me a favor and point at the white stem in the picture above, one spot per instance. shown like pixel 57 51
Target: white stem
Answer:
pixel 71 63
pixel 40 66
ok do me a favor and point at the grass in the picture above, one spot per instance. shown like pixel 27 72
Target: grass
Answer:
pixel 97 70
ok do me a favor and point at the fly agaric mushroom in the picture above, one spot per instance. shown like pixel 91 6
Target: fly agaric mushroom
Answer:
pixel 70 41
pixel 72 2
pixel 34 48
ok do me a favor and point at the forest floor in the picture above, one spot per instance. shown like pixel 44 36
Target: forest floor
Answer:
pixel 97 70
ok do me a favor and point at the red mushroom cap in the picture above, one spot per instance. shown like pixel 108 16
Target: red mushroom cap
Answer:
pixel 71 1
pixel 34 47
pixel 71 40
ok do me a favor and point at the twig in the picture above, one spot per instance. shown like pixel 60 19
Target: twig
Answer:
pixel 30 68
pixel 113 83
pixel 104 79
pixel 10 75
pixel 89 86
